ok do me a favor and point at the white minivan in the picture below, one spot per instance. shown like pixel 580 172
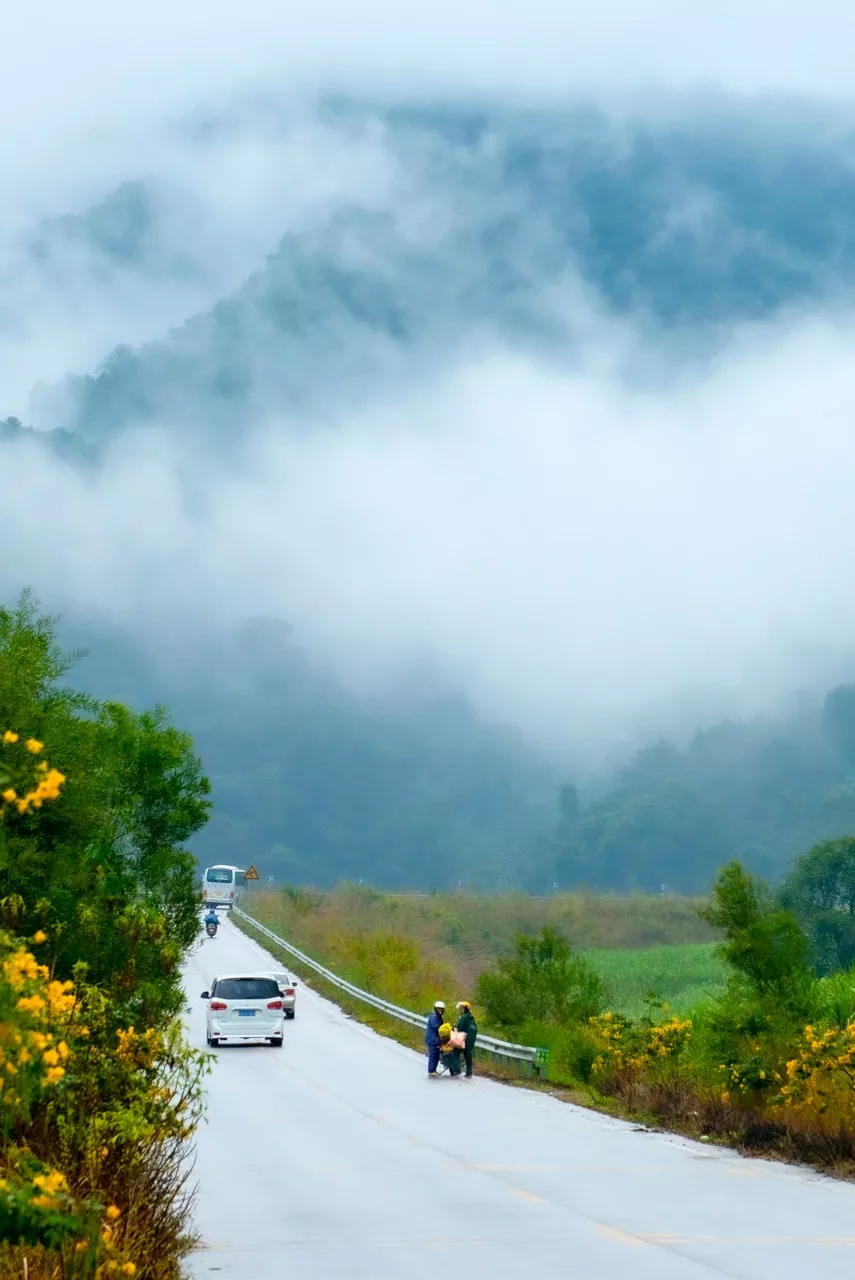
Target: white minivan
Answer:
pixel 244 1008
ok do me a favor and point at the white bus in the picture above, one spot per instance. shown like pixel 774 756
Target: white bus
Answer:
pixel 222 885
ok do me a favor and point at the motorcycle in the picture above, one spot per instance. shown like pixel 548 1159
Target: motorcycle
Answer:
pixel 211 930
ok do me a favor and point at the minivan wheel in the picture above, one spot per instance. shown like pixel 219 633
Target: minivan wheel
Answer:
pixel 213 1042
pixel 276 1042
pixel 290 1013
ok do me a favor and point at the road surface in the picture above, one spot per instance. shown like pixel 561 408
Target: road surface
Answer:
pixel 336 1157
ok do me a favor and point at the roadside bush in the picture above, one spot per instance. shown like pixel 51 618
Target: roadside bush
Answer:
pixel 543 981
pixel 95 1126
pixel 103 867
pixel 764 945
pixel 99 1094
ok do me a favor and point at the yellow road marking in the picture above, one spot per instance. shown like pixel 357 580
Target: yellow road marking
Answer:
pixel 845 1241
pixel 623 1237
pixel 526 1195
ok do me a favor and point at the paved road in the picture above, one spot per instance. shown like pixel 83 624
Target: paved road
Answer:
pixel 335 1157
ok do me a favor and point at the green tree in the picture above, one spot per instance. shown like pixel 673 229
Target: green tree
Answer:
pixel 105 869
pixel 820 890
pixel 763 943
pixel 543 981
pixel 644 839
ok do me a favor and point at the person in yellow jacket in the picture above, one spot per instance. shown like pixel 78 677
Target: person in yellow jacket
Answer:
pixel 447 1053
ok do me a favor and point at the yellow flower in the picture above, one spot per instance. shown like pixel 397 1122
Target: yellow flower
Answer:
pixel 54 1075
pixel 61 997
pixel 50 1182
pixel 10 737
pixel 31 1004
pixel 129 1269
pixel 10 795
pixel 33 744
pixel 39 937
pixel 113 1213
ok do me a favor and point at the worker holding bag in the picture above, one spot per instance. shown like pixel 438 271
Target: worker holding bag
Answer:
pixel 464 1036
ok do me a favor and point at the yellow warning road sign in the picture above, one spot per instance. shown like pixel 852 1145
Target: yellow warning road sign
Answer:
pixel 252 874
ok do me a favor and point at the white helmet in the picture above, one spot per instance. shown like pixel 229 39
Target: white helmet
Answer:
pixel 439 1004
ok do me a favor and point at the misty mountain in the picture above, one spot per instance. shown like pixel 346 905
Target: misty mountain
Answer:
pixel 64 445
pixel 763 791
pixel 535 233
pixel 315 784
pixel 118 229
pixel 688 228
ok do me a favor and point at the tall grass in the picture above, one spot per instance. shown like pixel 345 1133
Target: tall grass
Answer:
pixel 415 948
pixel 681 976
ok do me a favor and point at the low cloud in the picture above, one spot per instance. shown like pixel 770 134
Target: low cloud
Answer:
pixel 588 543
pixel 581 557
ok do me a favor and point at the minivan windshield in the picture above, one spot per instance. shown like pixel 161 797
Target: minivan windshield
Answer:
pixel 245 989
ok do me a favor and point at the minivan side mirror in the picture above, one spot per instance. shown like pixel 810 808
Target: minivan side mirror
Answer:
pixel 206 995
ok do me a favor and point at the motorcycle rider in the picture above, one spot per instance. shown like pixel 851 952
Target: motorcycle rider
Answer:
pixel 212 918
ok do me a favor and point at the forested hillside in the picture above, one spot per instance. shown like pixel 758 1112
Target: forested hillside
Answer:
pixel 315 785
pixel 760 790
pixel 644 247
pixel 725 218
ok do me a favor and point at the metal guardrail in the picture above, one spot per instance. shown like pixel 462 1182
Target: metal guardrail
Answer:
pixel 487 1044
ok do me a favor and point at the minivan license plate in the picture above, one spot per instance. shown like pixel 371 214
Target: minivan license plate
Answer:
pixel 246 1013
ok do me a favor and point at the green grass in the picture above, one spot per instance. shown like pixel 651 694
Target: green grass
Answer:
pixel 409 948
pixel 681 976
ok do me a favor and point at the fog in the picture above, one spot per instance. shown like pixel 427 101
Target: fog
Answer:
pixel 581 557
pixel 588 547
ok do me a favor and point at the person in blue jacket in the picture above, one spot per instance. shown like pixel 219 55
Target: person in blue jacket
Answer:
pixel 434 1023
pixel 212 917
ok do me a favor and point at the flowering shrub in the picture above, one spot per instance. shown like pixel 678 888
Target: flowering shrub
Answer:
pixel 34 784
pixel 95 1115
pixel 37 1021
pixel 821 1075
pixel 626 1046
pixel 85 1107
pixel 36 1018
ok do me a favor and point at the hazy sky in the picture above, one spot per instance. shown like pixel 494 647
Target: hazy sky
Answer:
pixel 88 78
pixel 573 552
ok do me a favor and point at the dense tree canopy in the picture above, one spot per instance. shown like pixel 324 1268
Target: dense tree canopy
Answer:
pixel 820 889
pixel 105 868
